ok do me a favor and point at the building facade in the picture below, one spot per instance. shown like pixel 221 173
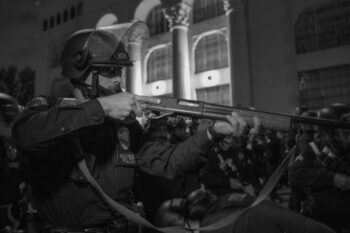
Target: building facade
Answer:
pixel 272 55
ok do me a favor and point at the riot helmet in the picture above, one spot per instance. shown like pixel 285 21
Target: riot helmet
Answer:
pixel 336 111
pixel 100 52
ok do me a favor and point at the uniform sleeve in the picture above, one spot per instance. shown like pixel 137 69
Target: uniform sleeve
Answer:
pixel 40 130
pixel 306 173
pixel 160 158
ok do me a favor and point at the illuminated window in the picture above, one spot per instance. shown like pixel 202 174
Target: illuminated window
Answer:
pixel 205 9
pixel 156 21
pixel 323 27
pixel 159 64
pixel 211 53
pixel 215 95
pixel 321 87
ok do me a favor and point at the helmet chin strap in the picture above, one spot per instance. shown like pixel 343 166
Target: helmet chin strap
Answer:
pixel 95 84
pixel 94 90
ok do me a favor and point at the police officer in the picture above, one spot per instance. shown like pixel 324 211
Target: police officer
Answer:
pixel 322 170
pixel 54 133
pixel 305 135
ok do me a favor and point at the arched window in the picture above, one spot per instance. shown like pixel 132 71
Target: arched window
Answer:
pixel 323 27
pixel 79 9
pixel 65 16
pixel 211 53
pixel 206 9
pixel 72 12
pixel 58 19
pixel 159 64
pixel 156 21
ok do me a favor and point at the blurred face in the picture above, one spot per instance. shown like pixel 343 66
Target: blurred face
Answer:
pixel 226 143
pixel 123 134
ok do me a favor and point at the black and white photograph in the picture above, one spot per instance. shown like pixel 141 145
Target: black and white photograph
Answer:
pixel 175 116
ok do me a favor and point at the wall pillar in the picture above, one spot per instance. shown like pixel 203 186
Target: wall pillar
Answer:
pixel 178 17
pixel 239 52
pixel 133 80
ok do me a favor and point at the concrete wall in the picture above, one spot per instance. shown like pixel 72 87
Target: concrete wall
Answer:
pixel 272 56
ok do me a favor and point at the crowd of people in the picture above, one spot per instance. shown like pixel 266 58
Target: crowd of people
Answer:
pixel 173 171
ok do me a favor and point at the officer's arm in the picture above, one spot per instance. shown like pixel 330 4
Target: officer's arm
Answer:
pixel 161 159
pixel 305 173
pixel 39 130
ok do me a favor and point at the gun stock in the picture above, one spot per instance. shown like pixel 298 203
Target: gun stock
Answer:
pixel 269 120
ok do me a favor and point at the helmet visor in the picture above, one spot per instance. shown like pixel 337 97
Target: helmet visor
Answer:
pixel 107 45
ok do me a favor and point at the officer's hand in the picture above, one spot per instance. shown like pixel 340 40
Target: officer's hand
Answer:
pixel 256 128
pixel 121 105
pixel 341 181
pixel 235 125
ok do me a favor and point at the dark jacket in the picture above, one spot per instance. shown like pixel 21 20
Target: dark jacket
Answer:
pixel 61 195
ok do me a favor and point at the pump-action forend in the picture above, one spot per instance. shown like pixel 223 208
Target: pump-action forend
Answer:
pixel 199 109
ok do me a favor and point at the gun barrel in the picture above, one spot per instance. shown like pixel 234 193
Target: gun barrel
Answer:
pixel 269 120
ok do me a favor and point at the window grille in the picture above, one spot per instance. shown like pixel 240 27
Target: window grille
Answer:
pixel 322 87
pixel 216 95
pixel 159 64
pixel 211 53
pixel 156 21
pixel 206 9
pixel 323 27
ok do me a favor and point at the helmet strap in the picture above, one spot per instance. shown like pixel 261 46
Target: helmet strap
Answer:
pixel 95 84
pixel 88 90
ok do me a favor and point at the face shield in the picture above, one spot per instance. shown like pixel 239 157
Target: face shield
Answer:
pixel 108 47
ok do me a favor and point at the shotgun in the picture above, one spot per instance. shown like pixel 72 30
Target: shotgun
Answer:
pixel 200 109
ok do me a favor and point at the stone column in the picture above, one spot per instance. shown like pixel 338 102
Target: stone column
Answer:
pixel 134 37
pixel 178 17
pixel 239 52
pixel 133 79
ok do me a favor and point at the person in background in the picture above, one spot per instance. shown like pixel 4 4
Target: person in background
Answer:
pixel 322 169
